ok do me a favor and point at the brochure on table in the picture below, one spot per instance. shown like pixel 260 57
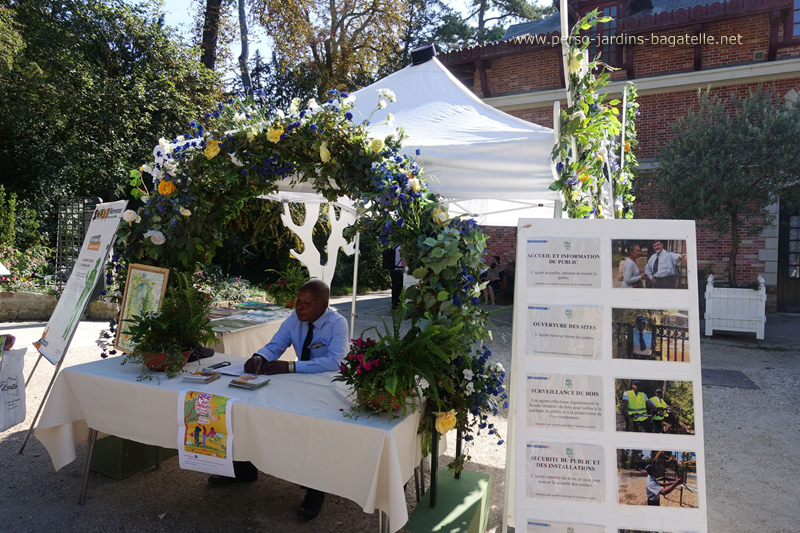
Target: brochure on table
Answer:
pixel 205 432
pixel 88 269
pixel 580 458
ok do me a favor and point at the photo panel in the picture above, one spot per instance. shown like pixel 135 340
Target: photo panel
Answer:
pixel 650 334
pixel 654 406
pixel 649 264
pixel 657 478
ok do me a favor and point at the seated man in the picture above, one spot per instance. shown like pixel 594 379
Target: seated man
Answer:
pixel 319 335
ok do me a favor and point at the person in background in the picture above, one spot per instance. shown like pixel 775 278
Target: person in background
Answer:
pixel 493 277
pixel 319 334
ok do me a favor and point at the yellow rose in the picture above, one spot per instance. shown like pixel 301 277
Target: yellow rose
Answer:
pixel 212 149
pixel 185 212
pixel 577 61
pixel 274 134
pixel 439 216
pixel 627 146
pixel 324 154
pixel 166 187
pixel 414 184
pixel 376 145
pixel 445 421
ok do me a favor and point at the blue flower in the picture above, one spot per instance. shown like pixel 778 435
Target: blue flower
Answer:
pixel 560 167
pixel 313 127
pixel 348 115
pixel 418 151
pixel 343 95
pixel 457 301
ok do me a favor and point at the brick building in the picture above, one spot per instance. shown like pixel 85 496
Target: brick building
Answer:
pixel 670 49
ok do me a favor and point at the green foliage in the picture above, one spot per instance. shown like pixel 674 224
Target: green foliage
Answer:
pixel 594 148
pixel 371 274
pixel 287 286
pixel 181 325
pixel 729 160
pixel 10 39
pixel 8 208
pixel 89 94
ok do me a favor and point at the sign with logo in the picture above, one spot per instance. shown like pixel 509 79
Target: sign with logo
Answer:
pixel 88 270
pixel 606 416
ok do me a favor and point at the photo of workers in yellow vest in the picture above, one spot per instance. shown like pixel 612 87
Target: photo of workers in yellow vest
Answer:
pixel 657 478
pixel 650 334
pixel 649 406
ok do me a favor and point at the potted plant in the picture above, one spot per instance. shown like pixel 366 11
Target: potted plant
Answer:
pixel 164 340
pixel 289 282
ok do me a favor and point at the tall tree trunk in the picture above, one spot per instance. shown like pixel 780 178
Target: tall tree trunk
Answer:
pixel 482 23
pixel 245 46
pixel 208 48
pixel 734 248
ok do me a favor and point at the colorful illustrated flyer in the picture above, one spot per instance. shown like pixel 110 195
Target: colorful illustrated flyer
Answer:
pixel 574 331
pixel 88 269
pixel 563 262
pixel 559 471
pixel 205 432
pixel 565 402
pixel 541 526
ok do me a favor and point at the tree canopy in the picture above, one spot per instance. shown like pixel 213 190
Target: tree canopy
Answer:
pixel 92 86
pixel 729 161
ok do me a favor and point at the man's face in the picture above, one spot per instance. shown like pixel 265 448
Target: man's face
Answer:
pixel 640 325
pixel 658 246
pixel 635 387
pixel 309 306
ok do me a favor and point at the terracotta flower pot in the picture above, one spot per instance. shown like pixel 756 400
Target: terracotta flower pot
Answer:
pixel 155 361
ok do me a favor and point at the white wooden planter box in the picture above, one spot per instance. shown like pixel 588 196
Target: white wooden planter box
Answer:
pixel 736 309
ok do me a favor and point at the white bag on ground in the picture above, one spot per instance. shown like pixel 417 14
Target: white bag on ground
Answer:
pixel 12 388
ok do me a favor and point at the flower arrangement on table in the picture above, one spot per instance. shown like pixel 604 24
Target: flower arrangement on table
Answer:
pixel 593 157
pixel 164 340
pixel 199 181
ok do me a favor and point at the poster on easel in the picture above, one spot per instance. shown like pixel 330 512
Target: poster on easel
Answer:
pixel 605 424
pixel 88 269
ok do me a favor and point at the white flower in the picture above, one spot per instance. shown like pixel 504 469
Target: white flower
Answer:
pixel 163 143
pixel 382 104
pixel 181 138
pixel 389 119
pixel 470 388
pixel 312 103
pixel 468 374
pixel 295 107
pixel 235 160
pixel 138 219
pixel 185 212
pixel 498 367
pixel 145 200
pixel 238 117
pixel 147 168
pixel 129 216
pixel 156 237
pixel 280 113
pixel 388 94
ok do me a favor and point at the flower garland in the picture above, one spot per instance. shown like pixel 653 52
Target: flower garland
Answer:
pixel 592 159
pixel 199 181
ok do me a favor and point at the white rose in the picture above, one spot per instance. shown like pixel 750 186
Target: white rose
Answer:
pixel 238 117
pixel 129 216
pixel 498 367
pixel 156 237
pixel 295 106
pixel 312 103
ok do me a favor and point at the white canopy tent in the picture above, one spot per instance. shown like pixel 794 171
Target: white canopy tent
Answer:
pixel 490 165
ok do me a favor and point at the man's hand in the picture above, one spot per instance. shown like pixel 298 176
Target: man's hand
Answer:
pixel 255 365
pixel 275 367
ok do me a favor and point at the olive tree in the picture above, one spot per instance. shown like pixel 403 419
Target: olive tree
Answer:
pixel 728 161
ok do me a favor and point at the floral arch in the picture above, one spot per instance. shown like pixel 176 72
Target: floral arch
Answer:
pixel 246 148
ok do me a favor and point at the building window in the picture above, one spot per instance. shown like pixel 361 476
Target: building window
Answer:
pixel 796 19
pixel 602 37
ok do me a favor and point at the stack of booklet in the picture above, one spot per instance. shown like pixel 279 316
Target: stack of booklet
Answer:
pixel 249 381
pixel 202 377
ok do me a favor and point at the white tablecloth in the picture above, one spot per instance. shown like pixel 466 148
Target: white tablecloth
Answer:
pixel 292 428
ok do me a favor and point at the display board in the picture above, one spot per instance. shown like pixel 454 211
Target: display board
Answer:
pixel 88 269
pixel 605 424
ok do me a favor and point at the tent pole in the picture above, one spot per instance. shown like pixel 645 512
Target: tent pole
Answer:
pixel 353 314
